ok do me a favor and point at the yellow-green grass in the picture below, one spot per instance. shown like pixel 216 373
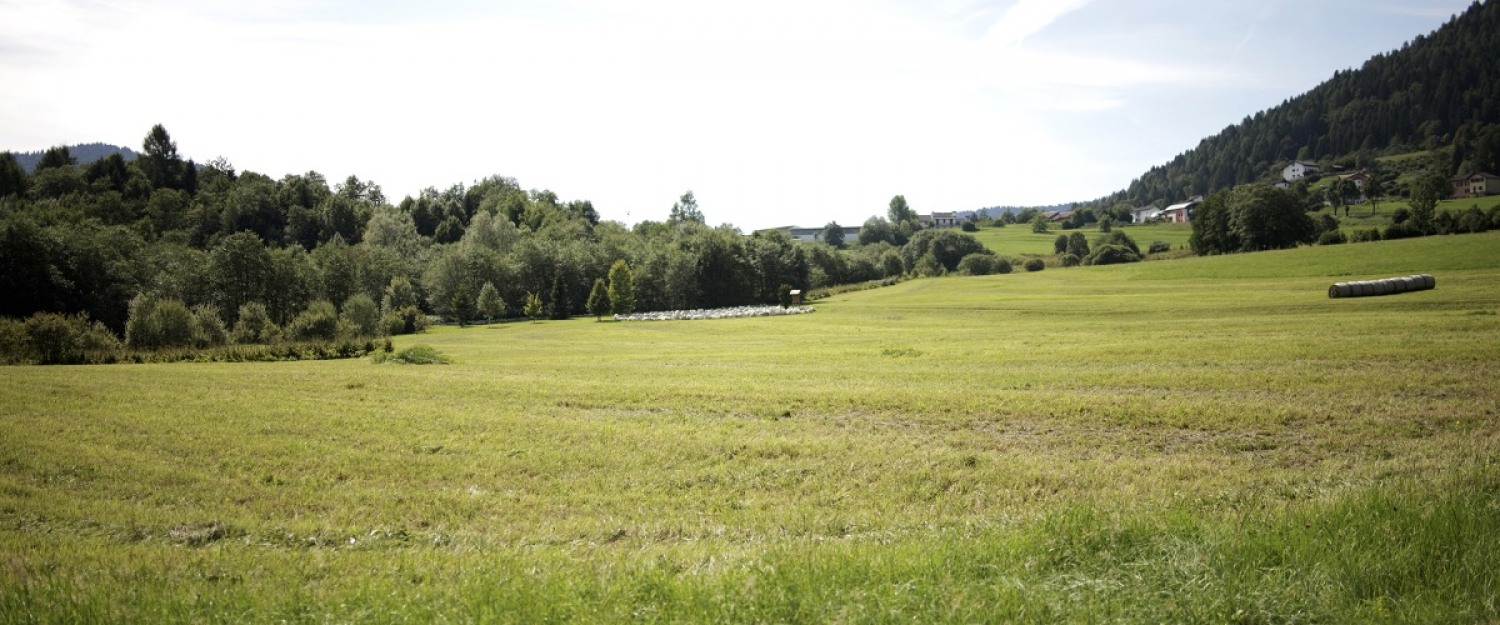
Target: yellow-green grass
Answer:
pixel 1196 440
pixel 1019 240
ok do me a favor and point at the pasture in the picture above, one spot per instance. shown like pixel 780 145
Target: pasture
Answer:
pixel 1018 239
pixel 1195 440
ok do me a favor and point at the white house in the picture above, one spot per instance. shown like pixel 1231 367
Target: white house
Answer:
pixel 1144 214
pixel 1181 213
pixel 1299 170
pixel 939 220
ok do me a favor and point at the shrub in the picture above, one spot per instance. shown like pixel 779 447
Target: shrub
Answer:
pixel 928 267
pixel 1068 260
pixel 1001 265
pixel 54 338
pixel 1332 237
pixel 255 326
pixel 1401 216
pixel 1121 239
pixel 978 264
pixel 1034 264
pixel 319 322
pixel 1403 230
pixel 208 328
pixel 360 316
pixel 1159 247
pixel 408 320
pixel 155 323
pixel 1111 255
pixel 13 345
pixel 414 355
pixel 1361 236
pixel 969 226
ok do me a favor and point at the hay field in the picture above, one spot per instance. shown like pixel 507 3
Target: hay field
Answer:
pixel 1197 440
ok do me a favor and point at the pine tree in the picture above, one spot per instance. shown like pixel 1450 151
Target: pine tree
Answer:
pixel 598 303
pixel 490 304
pixel 558 298
pixel 533 308
pixel 621 288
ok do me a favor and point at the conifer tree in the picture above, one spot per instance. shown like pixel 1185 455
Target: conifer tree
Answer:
pixel 621 288
pixel 598 303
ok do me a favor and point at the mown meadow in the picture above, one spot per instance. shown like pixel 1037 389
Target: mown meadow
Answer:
pixel 1018 239
pixel 1192 440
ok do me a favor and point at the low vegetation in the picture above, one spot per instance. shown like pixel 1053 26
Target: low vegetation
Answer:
pixel 1208 439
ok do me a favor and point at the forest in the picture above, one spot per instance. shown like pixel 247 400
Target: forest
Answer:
pixel 1438 90
pixel 160 237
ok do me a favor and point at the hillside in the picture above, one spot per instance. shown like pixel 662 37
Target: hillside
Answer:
pixel 84 153
pixel 1441 89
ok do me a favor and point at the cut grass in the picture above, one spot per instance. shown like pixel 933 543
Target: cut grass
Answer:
pixel 1206 439
pixel 1019 240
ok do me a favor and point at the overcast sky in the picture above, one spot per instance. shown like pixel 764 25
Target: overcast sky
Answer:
pixel 774 112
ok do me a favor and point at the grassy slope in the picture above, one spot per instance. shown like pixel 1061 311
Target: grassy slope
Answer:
pixel 1196 440
pixel 1018 239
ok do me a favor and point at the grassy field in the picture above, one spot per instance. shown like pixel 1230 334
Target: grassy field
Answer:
pixel 1019 240
pixel 1197 440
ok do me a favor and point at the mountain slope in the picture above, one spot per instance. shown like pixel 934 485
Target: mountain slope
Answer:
pixel 1439 89
pixel 84 153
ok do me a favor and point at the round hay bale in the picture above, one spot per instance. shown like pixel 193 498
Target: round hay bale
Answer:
pixel 1363 289
pixel 1384 287
pixel 1412 283
pixel 1429 281
pixel 1338 289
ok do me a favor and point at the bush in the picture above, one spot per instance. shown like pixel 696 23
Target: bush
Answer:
pixel 1401 216
pixel 319 322
pixel 1000 265
pixel 1403 230
pixel 1034 264
pixel 155 323
pixel 1362 236
pixel 255 326
pixel 1111 255
pixel 1068 260
pixel 360 316
pixel 1121 239
pixel 969 226
pixel 977 264
pixel 1159 247
pixel 1332 237
pixel 54 339
pixel 408 320
pixel 928 267
pixel 13 345
pixel 208 328
pixel 414 355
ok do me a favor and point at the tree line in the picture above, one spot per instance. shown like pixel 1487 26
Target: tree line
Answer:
pixel 118 242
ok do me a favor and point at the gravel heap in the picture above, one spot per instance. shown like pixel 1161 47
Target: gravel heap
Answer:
pixel 717 313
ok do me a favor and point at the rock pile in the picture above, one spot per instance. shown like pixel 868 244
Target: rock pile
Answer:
pixel 717 313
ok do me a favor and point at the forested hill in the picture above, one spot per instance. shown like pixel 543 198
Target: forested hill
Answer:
pixel 1437 90
pixel 83 153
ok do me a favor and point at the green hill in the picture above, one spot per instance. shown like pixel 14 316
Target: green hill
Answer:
pixel 1441 89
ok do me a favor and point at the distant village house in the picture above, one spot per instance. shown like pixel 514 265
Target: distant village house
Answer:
pixel 1476 185
pixel 1144 214
pixel 1181 213
pixel 1299 170
pixel 939 220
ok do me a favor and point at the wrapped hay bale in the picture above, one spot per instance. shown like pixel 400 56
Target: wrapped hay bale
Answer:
pixel 1387 286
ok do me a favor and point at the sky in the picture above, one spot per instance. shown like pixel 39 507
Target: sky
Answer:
pixel 773 112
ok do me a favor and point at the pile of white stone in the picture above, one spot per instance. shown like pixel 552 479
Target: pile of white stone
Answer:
pixel 717 313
